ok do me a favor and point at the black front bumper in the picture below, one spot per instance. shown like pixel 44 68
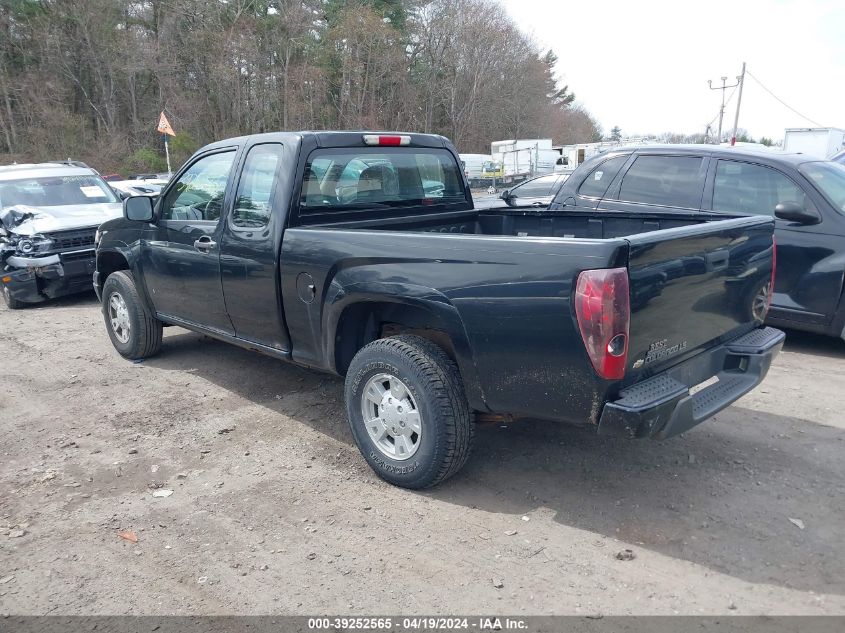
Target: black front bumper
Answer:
pixel 662 406
pixel 36 279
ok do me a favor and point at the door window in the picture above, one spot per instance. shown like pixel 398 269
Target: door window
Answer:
pixel 198 194
pixel 752 189
pixel 829 178
pixel 672 181
pixel 252 202
pixel 599 180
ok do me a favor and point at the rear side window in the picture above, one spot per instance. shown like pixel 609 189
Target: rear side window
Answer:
pixel 360 178
pixel 600 178
pixel 752 189
pixel 252 203
pixel 538 187
pixel 672 181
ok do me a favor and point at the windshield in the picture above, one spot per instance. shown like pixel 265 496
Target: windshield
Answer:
pixel 829 178
pixel 363 178
pixel 54 191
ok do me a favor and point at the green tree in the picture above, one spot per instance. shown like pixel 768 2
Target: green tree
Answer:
pixel 558 96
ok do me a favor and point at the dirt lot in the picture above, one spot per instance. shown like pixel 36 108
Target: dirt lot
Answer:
pixel 273 510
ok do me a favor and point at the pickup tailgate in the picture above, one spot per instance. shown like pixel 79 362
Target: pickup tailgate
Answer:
pixel 693 288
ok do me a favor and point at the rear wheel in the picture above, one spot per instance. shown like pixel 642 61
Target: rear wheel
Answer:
pixel 133 330
pixel 11 302
pixel 408 413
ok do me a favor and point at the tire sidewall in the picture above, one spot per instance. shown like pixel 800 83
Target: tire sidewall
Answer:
pixel 116 284
pixel 419 469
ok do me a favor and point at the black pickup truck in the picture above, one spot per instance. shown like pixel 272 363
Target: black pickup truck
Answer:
pixel 361 254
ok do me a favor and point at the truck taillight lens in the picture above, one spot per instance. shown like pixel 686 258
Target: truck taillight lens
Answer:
pixel 390 140
pixel 603 310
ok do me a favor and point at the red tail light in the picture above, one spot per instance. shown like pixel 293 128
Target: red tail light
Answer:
pixel 392 140
pixel 603 310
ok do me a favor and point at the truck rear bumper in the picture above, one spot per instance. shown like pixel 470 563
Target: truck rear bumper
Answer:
pixel 669 403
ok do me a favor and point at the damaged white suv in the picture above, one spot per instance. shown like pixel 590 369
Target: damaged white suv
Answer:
pixel 49 214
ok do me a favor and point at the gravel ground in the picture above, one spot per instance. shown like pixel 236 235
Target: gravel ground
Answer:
pixel 273 511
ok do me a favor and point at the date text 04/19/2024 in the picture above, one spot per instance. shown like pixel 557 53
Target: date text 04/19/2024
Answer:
pixel 419 623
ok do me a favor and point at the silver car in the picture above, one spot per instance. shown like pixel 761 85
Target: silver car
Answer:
pixel 49 214
pixel 536 192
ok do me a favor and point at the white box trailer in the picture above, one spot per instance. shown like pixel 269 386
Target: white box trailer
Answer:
pixel 524 158
pixel 473 165
pixel 819 142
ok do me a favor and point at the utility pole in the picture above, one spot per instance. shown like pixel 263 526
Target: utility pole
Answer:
pixel 738 103
pixel 723 87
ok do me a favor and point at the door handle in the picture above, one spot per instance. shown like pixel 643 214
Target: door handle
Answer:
pixel 204 243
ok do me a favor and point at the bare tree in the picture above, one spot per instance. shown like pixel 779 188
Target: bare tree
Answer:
pixel 88 78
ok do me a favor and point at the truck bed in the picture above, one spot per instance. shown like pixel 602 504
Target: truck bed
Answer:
pixel 692 280
pixel 533 223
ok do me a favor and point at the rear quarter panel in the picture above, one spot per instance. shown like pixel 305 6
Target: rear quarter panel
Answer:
pixel 505 303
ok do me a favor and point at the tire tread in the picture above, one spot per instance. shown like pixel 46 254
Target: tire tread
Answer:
pixel 148 341
pixel 444 386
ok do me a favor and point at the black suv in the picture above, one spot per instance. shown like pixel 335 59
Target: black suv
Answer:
pixel 805 194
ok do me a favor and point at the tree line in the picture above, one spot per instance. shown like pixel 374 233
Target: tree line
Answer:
pixel 87 78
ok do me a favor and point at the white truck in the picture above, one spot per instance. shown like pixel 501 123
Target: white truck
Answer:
pixel 524 158
pixel 819 142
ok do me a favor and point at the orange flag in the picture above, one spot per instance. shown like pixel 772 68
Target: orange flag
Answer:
pixel 164 126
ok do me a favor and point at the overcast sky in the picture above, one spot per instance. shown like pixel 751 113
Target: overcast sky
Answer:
pixel 644 65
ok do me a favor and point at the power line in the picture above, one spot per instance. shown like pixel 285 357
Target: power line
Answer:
pixel 781 101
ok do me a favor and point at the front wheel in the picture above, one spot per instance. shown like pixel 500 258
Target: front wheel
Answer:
pixel 408 413
pixel 133 330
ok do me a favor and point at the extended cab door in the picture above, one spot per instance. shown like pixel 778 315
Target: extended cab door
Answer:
pixel 181 263
pixel 249 246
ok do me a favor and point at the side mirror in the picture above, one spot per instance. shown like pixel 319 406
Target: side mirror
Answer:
pixel 795 212
pixel 506 194
pixel 138 208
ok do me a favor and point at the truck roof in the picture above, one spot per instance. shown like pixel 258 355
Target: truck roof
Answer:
pixel 328 138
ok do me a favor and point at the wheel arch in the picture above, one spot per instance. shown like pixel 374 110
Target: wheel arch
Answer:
pixel 109 262
pixel 112 260
pixel 359 319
